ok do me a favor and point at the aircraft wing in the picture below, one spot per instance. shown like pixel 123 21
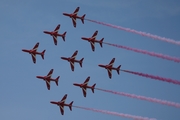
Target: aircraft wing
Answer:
pixel 72 65
pixel 48 85
pixel 33 57
pixel 92 45
pixel 76 11
pixel 86 81
pixel 62 106
pixel 84 91
pixel 74 21
pixel 74 55
pixel 63 99
pixel 62 109
pixel 36 46
pixel 57 28
pixel 50 73
pixel 109 73
pixel 55 39
pixel 112 62
pixel 94 35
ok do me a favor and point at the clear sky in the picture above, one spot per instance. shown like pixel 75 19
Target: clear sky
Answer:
pixel 24 97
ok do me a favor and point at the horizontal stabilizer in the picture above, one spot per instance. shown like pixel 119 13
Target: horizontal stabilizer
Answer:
pixel 57 80
pixel 101 41
pixel 64 35
pixel 93 87
pixel 118 69
pixel 82 18
pixel 70 105
pixel 42 54
pixel 81 61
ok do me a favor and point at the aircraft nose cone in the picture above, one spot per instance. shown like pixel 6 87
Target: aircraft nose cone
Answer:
pixel 52 102
pixel 25 50
pixel 83 38
pixel 101 65
pixel 65 14
pixel 46 32
pixel 63 58
pixel 38 77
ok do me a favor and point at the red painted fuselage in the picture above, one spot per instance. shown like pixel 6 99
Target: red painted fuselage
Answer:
pixel 69 59
pixel 31 51
pixel 108 67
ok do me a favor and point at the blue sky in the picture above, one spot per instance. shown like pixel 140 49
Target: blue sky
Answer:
pixel 23 96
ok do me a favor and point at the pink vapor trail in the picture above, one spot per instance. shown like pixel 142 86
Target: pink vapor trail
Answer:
pixel 146 52
pixel 137 32
pixel 116 114
pixel 154 77
pixel 143 98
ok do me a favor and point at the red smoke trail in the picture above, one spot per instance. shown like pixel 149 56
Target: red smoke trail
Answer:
pixel 146 52
pixel 138 32
pixel 116 114
pixel 154 77
pixel 143 98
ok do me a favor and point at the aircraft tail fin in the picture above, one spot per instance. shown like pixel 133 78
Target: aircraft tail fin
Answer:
pixel 101 42
pixel 81 61
pixel 82 18
pixel 57 80
pixel 118 69
pixel 70 105
pixel 42 54
pixel 93 87
pixel 64 35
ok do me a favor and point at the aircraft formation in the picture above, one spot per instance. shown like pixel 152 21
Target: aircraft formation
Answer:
pixel 72 60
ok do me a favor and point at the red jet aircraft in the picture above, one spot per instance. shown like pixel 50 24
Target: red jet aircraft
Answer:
pixel 73 16
pixel 93 40
pixel 110 67
pixel 72 60
pixel 55 34
pixel 48 79
pixel 33 52
pixel 85 85
pixel 62 103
